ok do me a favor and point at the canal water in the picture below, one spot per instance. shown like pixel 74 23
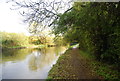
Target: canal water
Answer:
pixel 29 63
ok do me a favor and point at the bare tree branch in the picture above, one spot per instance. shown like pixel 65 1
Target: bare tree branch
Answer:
pixel 43 12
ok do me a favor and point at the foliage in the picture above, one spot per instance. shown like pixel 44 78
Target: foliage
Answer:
pixel 13 39
pixel 95 26
pixel 60 41
pixel 41 38
pixel 19 39
pixel 104 70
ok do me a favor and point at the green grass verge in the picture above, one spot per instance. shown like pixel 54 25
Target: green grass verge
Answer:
pixel 25 46
pixel 73 46
pixel 56 68
pixel 100 68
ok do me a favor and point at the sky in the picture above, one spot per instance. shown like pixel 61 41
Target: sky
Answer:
pixel 11 20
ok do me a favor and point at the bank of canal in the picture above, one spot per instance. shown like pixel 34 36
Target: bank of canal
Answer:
pixel 76 65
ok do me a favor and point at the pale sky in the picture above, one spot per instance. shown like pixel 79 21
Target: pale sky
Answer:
pixel 11 20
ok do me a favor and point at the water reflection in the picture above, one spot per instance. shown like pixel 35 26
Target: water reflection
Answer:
pixel 29 63
pixel 41 58
pixel 15 54
pixel 33 61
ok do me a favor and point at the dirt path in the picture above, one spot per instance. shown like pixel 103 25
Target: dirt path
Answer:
pixel 72 65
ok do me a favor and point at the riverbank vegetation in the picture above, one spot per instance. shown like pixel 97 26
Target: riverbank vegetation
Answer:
pixel 20 40
pixel 13 40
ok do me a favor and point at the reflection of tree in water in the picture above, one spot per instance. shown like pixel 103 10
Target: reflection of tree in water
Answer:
pixel 33 61
pixel 44 58
pixel 15 54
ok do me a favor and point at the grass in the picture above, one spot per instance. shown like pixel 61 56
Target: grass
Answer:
pixel 105 71
pixel 56 68
pixel 11 46
pixel 72 46
pixel 25 46
pixel 102 69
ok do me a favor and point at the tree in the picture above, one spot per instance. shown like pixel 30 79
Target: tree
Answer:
pixel 95 26
pixel 13 39
pixel 42 13
pixel 41 38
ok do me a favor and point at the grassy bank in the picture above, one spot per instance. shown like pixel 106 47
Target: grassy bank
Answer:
pixel 23 46
pixel 104 71
pixel 57 67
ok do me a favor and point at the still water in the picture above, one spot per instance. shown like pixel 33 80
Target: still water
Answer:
pixel 29 63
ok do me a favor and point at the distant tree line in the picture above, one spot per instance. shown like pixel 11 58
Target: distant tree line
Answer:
pixel 20 39
pixel 13 39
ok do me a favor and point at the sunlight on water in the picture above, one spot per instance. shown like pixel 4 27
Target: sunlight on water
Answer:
pixel 29 63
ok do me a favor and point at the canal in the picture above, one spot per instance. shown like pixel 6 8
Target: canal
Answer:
pixel 29 63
